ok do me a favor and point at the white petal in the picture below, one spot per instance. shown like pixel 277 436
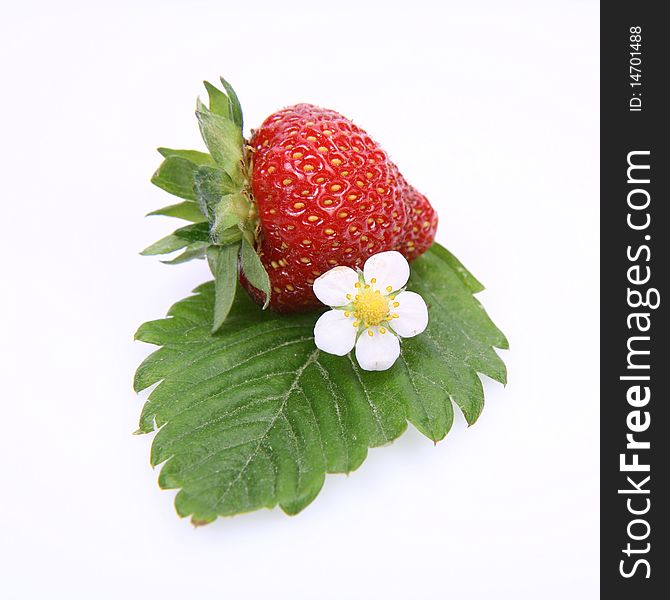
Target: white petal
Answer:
pixel 334 333
pixel 377 352
pixel 412 314
pixel 334 285
pixel 389 269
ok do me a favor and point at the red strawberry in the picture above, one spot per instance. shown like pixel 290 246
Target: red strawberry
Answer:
pixel 422 224
pixel 327 195
pixel 309 192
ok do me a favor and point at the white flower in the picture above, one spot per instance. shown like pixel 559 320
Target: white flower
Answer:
pixel 370 310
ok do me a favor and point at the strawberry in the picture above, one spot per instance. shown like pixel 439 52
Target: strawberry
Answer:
pixel 327 195
pixel 308 192
pixel 422 224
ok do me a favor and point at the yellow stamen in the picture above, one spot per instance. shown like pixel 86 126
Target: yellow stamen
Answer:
pixel 370 307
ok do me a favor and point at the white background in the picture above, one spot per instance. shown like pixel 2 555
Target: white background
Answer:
pixel 489 108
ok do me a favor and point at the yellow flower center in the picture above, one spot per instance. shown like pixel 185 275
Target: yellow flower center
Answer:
pixel 371 307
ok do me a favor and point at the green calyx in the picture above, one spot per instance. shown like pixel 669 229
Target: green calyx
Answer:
pixel 216 199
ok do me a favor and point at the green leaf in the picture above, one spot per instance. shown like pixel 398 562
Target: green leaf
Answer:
pixel 195 156
pixel 187 210
pixel 255 416
pixel 175 175
pixel 192 251
pixel 235 106
pixel 223 264
pixel 229 236
pixel 198 232
pixel 225 208
pixel 224 141
pixel 229 217
pixel 180 238
pixel 226 214
pixel 211 184
pixel 468 278
pixel 254 270
pixel 457 344
pixel 165 245
pixel 218 101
